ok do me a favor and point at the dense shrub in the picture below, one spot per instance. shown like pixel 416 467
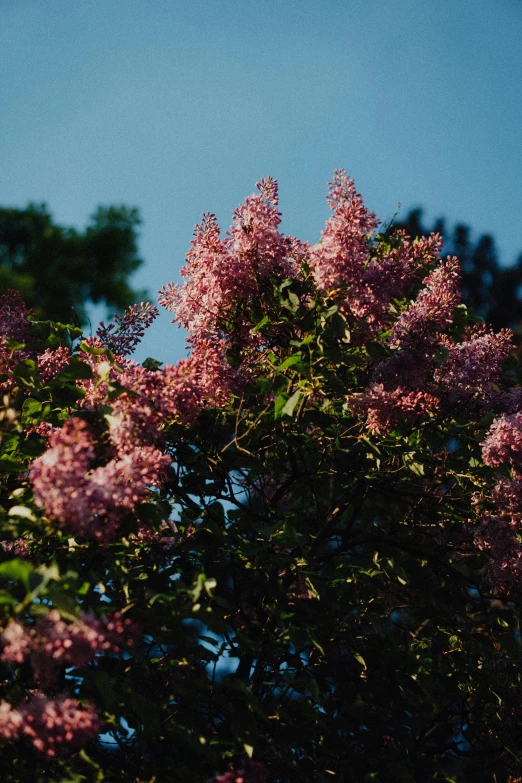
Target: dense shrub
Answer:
pixel 295 555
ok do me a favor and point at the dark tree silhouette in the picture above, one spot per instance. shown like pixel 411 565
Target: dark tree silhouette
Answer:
pixel 493 291
pixel 59 270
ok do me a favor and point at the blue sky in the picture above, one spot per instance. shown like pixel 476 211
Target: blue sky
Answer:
pixel 179 106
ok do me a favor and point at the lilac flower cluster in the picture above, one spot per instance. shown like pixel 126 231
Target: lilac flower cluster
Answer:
pixel 52 642
pixel 343 249
pixel 471 373
pixel 503 443
pixel 14 322
pixel 53 726
pixel 219 274
pixel 421 324
pixel 92 501
pixel 501 527
pixel 51 362
pixel 384 409
pixel 250 772
pixel 124 333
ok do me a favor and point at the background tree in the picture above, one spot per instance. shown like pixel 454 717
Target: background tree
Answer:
pixel 59 270
pixel 494 292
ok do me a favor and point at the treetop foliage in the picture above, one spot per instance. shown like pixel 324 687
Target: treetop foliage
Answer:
pixel 58 270
pixel 293 556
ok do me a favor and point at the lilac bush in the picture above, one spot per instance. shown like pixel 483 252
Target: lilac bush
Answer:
pixel 296 555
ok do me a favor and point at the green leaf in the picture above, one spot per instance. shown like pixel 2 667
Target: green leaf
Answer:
pixel 410 462
pixel 76 370
pixel 86 348
pixel 441 356
pixel 258 327
pixel 23 512
pixel 19 570
pixel 296 357
pixel 401 575
pixel 291 403
pixel 330 311
pixel 360 659
pixel 151 364
pixel 31 408
pixel 417 468
pixel 26 372
pixel 14 345
pixel 279 404
pixel 376 351
pixel 292 302
pixel 9 465
pixel 318 646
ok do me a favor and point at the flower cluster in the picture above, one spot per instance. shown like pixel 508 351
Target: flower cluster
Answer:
pixel 222 274
pixel 471 373
pixel 384 409
pixel 14 322
pixel 50 362
pixel 92 501
pixel 54 727
pixel 53 642
pixel 498 534
pixel 501 526
pixel 421 324
pixel 503 443
pixel 387 276
pixel 250 772
pixel 124 334
pixel 14 317
pixel 343 250
pixel 357 339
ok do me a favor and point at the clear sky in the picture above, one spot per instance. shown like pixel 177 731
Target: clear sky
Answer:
pixel 179 106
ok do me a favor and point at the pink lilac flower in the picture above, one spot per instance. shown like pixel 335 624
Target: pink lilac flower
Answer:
pixel 14 316
pixel 250 772
pixel 499 533
pixel 255 234
pixel 50 362
pixel 471 373
pixel 507 498
pixel 53 642
pixel 92 502
pixel 213 280
pixel 389 276
pixel 45 429
pixel 340 256
pixel 58 726
pixel 54 727
pixel 17 548
pixel 503 444
pixel 14 321
pixel 10 722
pixel 152 399
pixel 17 643
pixel 420 325
pixel 220 274
pixel 149 536
pixel 125 333
pixel 384 410
pixel 56 642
